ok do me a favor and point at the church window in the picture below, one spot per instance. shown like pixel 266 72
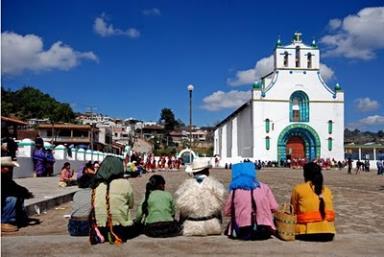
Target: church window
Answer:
pixel 297 56
pixel 299 107
pixel 267 125
pixel 285 59
pixel 309 61
pixel 330 127
pixel 267 143
pixel 330 143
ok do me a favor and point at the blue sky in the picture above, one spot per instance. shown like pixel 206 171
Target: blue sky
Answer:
pixel 133 58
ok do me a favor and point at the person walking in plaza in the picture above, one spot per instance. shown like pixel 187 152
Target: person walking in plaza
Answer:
pixel 313 205
pixel 157 211
pixel 250 205
pixel 49 163
pixel 380 167
pixel 13 214
pixel 349 163
pixel 78 224
pixel 112 200
pixel 39 158
pixel 200 200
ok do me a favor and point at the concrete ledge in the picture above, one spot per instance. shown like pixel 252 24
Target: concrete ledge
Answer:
pixel 41 206
pixel 47 193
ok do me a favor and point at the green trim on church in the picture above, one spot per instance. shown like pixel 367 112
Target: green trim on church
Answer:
pixel 307 133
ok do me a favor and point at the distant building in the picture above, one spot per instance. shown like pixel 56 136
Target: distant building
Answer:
pixel 71 134
pixel 292 114
pixel 368 151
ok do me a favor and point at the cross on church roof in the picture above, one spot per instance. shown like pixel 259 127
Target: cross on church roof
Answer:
pixel 297 37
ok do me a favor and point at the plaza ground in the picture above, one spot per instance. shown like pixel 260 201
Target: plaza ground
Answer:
pixel 358 201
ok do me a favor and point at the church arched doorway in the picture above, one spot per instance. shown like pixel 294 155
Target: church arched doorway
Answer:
pixel 298 141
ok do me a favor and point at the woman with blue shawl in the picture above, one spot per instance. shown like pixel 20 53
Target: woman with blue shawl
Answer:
pixel 39 158
pixel 250 205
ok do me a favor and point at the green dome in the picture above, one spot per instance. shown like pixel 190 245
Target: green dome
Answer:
pixel 337 87
pixel 278 43
pixel 256 85
pixel 314 44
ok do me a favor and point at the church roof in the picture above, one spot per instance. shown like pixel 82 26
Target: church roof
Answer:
pixel 234 114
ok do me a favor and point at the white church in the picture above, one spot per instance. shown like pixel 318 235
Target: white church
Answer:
pixel 292 113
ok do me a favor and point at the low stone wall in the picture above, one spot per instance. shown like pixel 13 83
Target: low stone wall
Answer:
pixel 76 157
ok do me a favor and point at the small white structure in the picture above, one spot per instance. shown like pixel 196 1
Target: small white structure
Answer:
pixel 25 148
pixel 80 154
pixel 292 113
pixel 60 152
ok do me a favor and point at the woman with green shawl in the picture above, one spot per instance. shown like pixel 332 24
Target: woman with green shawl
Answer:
pixel 112 198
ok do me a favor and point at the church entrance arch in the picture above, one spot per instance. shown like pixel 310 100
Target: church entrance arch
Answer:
pixel 298 141
pixel 186 155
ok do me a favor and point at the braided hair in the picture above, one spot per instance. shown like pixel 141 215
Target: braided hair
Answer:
pixel 156 182
pixel 312 173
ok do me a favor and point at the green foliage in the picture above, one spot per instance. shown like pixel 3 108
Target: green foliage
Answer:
pixel 165 151
pixel 30 102
pixel 168 119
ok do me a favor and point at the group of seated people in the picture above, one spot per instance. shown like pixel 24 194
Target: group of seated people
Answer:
pixel 68 177
pixel 102 207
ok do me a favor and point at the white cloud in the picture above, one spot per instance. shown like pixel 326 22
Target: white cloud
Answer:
pixel 326 72
pixel 106 30
pixel 265 66
pixel 220 100
pixel 334 24
pixel 366 104
pixel 368 122
pixel 357 36
pixel 262 68
pixel 151 12
pixel 20 53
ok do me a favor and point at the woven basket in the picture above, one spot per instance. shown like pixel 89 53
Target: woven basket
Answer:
pixel 285 221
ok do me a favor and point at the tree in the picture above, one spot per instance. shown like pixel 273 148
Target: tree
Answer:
pixel 168 119
pixel 30 102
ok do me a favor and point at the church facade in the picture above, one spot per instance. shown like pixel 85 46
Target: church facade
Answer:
pixel 292 113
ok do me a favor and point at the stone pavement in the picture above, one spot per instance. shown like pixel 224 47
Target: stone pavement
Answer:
pixel 47 193
pixel 351 245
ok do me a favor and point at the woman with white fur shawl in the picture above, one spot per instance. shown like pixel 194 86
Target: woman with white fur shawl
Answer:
pixel 200 200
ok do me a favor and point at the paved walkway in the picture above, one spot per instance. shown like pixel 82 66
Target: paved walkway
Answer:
pixel 47 193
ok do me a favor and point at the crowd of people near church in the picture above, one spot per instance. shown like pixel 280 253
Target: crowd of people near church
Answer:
pixel 102 207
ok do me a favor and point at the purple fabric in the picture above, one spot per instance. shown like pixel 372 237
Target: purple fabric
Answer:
pixel 39 159
pixel 265 204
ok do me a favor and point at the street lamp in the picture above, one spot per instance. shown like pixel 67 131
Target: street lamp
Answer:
pixel 190 89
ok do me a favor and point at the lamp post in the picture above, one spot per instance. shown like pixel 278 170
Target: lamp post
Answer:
pixel 190 89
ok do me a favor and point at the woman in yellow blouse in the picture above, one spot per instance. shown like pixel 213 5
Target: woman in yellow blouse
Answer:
pixel 313 206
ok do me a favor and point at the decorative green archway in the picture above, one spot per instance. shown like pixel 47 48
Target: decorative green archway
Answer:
pixel 307 133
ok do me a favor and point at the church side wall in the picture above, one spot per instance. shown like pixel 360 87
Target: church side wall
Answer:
pixel 245 133
pixel 229 139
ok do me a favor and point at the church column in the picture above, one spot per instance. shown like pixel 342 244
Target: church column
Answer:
pixel 224 142
pixel 235 152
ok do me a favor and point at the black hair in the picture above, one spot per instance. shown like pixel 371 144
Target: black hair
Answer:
pixel 11 148
pixel 202 172
pixel 85 181
pixel 312 173
pixel 65 165
pixel 156 182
